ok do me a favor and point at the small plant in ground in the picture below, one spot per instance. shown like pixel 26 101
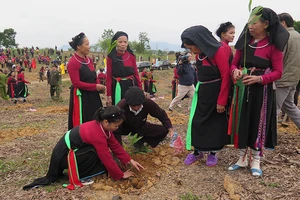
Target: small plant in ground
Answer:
pixel 188 196
pixel 271 184
pixel 131 144
pixel 133 139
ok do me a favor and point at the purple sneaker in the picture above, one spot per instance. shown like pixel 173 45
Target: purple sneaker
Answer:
pixel 191 158
pixel 211 160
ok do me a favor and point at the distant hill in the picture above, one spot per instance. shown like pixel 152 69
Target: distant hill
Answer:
pixel 165 46
pixel 65 47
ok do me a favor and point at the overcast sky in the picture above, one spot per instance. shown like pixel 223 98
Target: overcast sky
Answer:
pixel 54 22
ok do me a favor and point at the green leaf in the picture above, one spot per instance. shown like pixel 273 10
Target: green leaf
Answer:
pixel 254 19
pixel 249 5
pixel 253 16
pixel 112 46
pixel 133 138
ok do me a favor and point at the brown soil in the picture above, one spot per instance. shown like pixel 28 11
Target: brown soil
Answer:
pixel 27 138
pixel 162 160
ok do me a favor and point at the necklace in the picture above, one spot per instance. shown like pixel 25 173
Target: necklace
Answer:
pixel 201 58
pixel 124 59
pixel 263 46
pixel 109 132
pixel 82 62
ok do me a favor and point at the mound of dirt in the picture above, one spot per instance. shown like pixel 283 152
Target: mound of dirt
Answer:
pixel 160 161
pixel 233 188
pixel 53 109
pixel 11 134
pixel 19 106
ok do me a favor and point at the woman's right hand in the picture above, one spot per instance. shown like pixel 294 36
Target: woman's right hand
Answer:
pixel 128 174
pixel 108 101
pixel 237 74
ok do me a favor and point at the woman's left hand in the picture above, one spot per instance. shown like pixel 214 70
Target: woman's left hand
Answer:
pixel 249 80
pixel 220 108
pixel 137 165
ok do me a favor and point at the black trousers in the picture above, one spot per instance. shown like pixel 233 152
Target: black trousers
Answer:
pixel 52 90
pixel 152 134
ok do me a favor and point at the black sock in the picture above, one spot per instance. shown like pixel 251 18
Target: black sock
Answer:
pixel 196 152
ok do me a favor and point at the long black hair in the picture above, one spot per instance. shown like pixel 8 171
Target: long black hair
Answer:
pixel 111 114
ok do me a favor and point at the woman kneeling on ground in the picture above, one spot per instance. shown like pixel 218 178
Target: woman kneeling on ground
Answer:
pixel 85 152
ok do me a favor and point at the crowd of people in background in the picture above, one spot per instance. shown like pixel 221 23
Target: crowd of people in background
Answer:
pixel 15 61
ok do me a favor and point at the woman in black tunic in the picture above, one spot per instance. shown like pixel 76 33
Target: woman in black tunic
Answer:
pixel 253 119
pixel 87 151
pixel 84 94
pixel 122 70
pixel 208 123
pixel 21 89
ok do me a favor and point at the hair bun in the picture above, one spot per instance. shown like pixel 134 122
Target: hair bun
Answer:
pixel 223 28
pixel 72 44
pixel 76 40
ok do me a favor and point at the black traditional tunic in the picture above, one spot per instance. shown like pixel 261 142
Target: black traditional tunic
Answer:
pixel 21 89
pixel 93 154
pixel 257 125
pixel 84 99
pixel 152 88
pixel 209 128
pixel 122 70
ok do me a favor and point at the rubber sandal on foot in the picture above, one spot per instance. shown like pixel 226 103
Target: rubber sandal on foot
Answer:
pixel 235 167
pixel 256 172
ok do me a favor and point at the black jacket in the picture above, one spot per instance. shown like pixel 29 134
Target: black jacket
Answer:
pixel 187 74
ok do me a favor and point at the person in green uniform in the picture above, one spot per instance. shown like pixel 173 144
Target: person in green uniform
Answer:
pixel 55 83
pixel 3 80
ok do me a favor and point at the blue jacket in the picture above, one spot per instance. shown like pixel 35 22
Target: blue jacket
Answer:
pixel 187 74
